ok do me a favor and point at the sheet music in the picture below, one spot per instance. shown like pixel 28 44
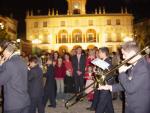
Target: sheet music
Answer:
pixel 100 63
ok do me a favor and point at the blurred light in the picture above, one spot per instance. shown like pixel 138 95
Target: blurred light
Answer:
pixel 36 41
pixel 113 34
pixel 40 37
pixel 1 25
pixel 18 40
pixel 50 38
pixel 126 39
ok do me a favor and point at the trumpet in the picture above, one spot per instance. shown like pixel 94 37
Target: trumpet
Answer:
pixel 102 77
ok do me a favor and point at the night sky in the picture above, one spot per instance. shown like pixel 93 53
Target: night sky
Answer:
pixel 139 8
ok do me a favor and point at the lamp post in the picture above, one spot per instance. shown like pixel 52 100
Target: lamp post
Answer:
pixel 35 42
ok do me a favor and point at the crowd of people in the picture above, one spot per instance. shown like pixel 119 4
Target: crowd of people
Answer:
pixel 30 81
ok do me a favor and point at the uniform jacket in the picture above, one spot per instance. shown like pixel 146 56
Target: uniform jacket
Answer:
pixel 136 84
pixel 13 75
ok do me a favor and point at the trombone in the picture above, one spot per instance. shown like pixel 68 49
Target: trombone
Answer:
pixel 101 78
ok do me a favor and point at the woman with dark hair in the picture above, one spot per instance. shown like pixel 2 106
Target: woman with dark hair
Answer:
pixel 55 57
pixel 69 70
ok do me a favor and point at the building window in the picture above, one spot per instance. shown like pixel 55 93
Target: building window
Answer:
pixel 44 24
pixel 118 22
pixel 90 22
pixel 64 38
pixel 90 37
pixel 108 22
pixel 77 38
pixel 62 23
pixel 35 24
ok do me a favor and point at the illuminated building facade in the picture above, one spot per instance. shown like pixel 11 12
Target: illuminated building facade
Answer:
pixel 10 26
pixel 64 32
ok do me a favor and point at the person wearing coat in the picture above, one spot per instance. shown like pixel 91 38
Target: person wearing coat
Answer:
pixel 50 85
pixel 13 76
pixel 134 80
pixel 78 63
pixel 104 97
pixel 36 90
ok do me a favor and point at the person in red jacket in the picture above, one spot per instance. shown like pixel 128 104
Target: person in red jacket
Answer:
pixel 60 72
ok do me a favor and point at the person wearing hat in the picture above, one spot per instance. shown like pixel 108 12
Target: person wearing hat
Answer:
pixel 13 76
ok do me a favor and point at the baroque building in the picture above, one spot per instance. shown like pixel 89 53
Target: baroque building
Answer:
pixel 77 28
pixel 10 26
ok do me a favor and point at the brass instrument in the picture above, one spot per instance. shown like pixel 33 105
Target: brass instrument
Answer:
pixel 101 77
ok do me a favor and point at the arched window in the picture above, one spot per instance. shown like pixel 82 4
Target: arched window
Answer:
pixel 91 35
pixel 76 11
pixel 63 36
pixel 76 8
pixel 77 36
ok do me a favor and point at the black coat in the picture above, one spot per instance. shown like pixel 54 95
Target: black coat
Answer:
pixel 50 80
pixel 136 84
pixel 13 75
pixel 35 77
pixel 81 64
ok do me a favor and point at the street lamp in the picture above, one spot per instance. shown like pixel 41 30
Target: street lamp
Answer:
pixel 1 25
pixel 18 40
pixel 36 42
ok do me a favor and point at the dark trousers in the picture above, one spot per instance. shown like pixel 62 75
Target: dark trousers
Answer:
pixel 95 99
pixel 69 84
pixel 105 102
pixel 23 110
pixel 37 103
pixel 79 83
pixel 50 94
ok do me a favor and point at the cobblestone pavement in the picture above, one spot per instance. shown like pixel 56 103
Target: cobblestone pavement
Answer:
pixel 79 107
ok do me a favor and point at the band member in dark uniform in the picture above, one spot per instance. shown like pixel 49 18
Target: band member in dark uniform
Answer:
pixel 134 80
pixel 13 76
pixel 36 90
pixel 49 89
pixel 104 103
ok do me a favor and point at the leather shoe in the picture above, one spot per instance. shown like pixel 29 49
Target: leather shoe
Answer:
pixel 53 106
pixel 90 109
